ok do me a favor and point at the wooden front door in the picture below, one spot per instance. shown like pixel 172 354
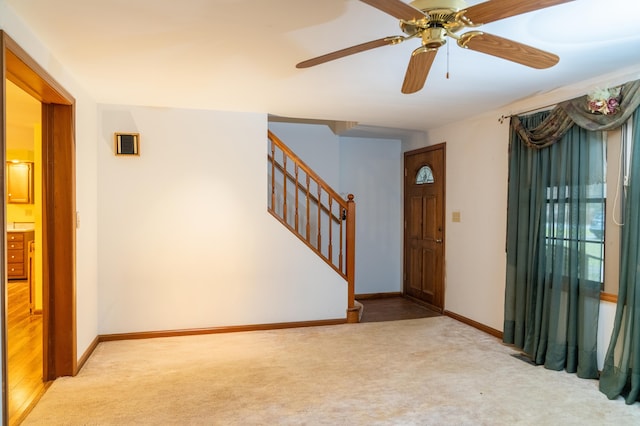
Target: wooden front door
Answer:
pixel 424 186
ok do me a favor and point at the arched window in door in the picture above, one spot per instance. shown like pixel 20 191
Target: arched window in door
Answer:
pixel 424 176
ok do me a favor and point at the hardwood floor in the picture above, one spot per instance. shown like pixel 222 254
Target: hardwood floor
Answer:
pixel 393 309
pixel 24 357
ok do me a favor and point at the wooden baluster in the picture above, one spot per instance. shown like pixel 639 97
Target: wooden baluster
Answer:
pixel 296 197
pixel 284 187
pixel 308 230
pixel 273 176
pixel 343 213
pixel 330 250
pixel 319 242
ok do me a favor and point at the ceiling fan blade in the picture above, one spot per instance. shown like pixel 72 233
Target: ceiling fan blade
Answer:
pixel 418 69
pixel 350 51
pixel 493 10
pixel 396 8
pixel 507 49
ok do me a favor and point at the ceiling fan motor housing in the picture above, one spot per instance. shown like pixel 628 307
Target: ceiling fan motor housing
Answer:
pixel 441 19
pixel 434 37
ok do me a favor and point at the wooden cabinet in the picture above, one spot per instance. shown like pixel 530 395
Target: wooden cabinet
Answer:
pixel 18 254
pixel 20 183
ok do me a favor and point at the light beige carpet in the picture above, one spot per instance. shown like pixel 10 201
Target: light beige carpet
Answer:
pixel 431 371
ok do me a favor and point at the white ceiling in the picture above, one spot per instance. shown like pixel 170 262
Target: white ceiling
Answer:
pixel 240 55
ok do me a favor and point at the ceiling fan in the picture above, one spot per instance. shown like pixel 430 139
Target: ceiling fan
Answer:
pixel 435 20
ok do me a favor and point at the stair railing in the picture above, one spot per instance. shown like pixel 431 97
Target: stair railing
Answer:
pixel 314 212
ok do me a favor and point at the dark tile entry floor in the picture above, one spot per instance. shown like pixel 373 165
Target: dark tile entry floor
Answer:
pixel 393 309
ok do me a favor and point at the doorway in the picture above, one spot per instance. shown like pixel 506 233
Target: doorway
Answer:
pixel 424 196
pixel 58 214
pixel 24 256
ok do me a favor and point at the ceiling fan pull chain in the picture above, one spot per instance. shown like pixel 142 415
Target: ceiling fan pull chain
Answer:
pixel 447 61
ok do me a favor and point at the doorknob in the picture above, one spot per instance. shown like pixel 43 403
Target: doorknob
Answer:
pixel 438 241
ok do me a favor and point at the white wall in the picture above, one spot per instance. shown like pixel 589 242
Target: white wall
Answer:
pixel 86 175
pixel 371 169
pixel 185 239
pixel 476 186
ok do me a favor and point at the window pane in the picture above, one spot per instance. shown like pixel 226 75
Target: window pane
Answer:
pixel 594 270
pixel 575 231
pixel 424 175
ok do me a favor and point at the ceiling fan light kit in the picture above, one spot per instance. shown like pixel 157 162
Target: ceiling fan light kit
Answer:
pixel 433 21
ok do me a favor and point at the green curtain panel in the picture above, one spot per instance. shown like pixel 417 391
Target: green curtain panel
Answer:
pixel 621 371
pixel 552 295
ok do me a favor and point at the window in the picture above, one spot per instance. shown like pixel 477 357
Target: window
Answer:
pixel 599 216
pixel 424 175
pixel 577 227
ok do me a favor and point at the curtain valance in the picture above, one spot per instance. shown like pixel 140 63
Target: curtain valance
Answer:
pixel 576 111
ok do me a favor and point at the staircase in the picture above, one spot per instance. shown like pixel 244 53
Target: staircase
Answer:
pixel 314 212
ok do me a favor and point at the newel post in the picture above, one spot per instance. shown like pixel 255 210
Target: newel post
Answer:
pixel 353 312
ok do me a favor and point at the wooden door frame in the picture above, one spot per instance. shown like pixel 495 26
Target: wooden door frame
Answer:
pixel 442 146
pixel 58 211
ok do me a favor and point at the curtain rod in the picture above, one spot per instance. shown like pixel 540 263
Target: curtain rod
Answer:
pixel 542 108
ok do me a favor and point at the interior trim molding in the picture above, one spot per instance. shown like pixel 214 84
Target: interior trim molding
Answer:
pixel 27 74
pixel 475 324
pixel 87 354
pixel 58 214
pixel 608 297
pixel 217 330
pixel 3 249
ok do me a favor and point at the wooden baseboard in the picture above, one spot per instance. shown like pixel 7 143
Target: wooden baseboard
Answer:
pixel 475 324
pixel 377 295
pixel 85 356
pixel 217 330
